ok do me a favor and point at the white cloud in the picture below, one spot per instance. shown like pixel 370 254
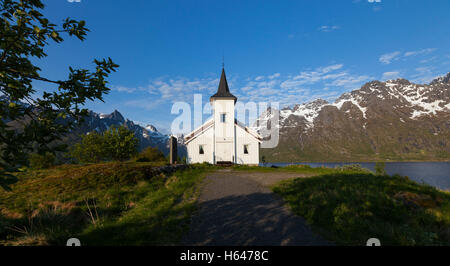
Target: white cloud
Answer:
pixel 424 74
pixel 123 89
pixel 428 60
pixel 327 28
pixel 335 76
pixel 322 74
pixel 420 52
pixel 350 82
pixel 305 86
pixel 145 103
pixel 276 75
pixel 391 75
pixel 287 89
pixel 389 57
pixel 180 88
pixel 374 1
pixel 310 77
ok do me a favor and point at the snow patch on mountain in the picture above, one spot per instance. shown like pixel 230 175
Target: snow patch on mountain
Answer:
pixel 418 100
pixel 429 108
pixel 416 97
pixel 355 100
pixel 308 111
pixel 151 128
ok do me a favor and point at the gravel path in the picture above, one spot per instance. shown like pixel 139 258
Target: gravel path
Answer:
pixel 237 208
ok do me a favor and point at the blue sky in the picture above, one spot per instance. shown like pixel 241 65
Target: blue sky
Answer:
pixel 287 51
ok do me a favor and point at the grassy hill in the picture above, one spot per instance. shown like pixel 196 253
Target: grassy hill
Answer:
pixel 350 207
pixel 102 204
pixel 129 203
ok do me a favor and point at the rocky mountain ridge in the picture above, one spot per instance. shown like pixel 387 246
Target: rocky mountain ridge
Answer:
pixel 392 120
pixel 148 135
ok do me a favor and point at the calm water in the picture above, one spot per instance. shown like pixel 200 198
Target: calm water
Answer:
pixel 433 173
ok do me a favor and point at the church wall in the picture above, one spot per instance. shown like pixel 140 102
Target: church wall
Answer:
pixel 244 138
pixel 205 139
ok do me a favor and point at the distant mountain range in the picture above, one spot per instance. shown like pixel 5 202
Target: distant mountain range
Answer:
pixel 148 136
pixel 392 120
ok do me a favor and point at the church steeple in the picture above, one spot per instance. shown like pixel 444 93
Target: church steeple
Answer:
pixel 223 91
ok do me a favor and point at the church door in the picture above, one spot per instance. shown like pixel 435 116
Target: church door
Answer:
pixel 224 152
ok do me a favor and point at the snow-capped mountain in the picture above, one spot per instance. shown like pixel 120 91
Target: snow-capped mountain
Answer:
pixel 148 135
pixel 393 120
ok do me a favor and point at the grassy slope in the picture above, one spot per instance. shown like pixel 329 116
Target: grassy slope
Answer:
pixel 349 208
pixel 293 154
pixel 137 207
pixel 110 203
pixel 161 217
pixel 303 169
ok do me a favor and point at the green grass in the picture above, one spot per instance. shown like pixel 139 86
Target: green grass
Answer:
pixel 303 169
pixel 129 204
pixel 102 204
pixel 349 208
pixel 159 218
pixel 71 182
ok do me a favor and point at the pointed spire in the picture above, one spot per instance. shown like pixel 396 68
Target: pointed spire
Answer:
pixel 223 84
pixel 223 91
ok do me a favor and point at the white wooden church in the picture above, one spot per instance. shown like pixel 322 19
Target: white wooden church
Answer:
pixel 222 139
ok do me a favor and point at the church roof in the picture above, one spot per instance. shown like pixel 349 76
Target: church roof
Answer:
pixel 223 91
pixel 198 131
pixel 210 123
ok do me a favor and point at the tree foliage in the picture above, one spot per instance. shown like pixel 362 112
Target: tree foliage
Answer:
pixel 24 35
pixel 38 161
pixel 120 143
pixel 116 144
pixel 150 154
pixel 90 149
pixel 380 168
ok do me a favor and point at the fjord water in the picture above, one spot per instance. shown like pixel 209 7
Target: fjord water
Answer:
pixel 436 174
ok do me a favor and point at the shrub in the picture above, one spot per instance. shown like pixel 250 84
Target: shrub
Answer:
pixel 380 168
pixel 41 161
pixel 301 166
pixel 117 144
pixel 91 149
pixel 352 168
pixel 150 155
pixel 120 143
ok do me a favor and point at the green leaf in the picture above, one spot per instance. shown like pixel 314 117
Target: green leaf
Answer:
pixel 44 132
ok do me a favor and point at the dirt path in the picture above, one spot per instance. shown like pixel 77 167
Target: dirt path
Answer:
pixel 238 208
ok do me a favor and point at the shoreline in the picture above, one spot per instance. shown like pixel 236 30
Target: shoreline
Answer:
pixel 356 162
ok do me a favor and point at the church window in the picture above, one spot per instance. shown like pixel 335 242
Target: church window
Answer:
pixel 223 118
pixel 245 149
pixel 201 150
